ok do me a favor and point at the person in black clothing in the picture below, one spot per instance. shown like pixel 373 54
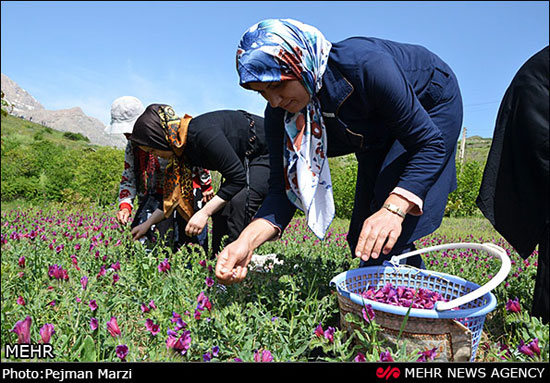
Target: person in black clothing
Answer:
pixel 514 189
pixel 228 141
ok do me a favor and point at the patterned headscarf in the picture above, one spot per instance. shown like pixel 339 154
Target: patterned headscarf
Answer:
pixel 160 128
pixel 281 49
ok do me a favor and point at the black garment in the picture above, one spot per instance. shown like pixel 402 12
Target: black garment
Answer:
pixel 514 190
pixel 236 215
pixel 220 141
pixel 164 230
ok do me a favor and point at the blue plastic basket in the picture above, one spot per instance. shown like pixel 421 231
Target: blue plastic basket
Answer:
pixel 473 302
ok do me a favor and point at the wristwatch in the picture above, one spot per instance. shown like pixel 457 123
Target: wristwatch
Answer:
pixel 394 209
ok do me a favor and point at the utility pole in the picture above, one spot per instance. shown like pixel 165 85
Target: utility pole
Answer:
pixel 463 145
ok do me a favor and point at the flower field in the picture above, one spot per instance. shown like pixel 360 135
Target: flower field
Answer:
pixel 72 277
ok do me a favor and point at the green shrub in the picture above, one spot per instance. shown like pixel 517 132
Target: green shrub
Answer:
pixel 344 177
pixel 75 136
pixel 462 202
pixel 98 174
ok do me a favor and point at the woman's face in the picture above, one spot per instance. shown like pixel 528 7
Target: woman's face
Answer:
pixel 157 152
pixel 290 95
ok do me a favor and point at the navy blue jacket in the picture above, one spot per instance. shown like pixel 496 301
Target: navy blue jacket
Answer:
pixel 377 101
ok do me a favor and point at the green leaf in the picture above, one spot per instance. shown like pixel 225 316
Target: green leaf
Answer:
pixel 87 351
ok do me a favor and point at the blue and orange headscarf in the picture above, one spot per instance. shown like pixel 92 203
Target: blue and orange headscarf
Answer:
pixel 282 49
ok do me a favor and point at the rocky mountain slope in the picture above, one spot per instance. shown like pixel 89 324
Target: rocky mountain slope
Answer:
pixel 24 105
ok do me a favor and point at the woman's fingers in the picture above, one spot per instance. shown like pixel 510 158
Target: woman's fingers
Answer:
pixel 378 235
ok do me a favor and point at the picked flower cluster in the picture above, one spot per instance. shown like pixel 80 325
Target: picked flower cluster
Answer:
pixel 403 296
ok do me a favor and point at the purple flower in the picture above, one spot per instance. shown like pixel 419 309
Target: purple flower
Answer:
pixel 121 352
pixel 151 327
pixel 524 349
pixel 93 305
pixel 112 327
pixel 57 272
pixel 94 324
pixel 144 308
pixel 21 301
pixel 513 306
pixel 164 266
pixel 264 356
pixel 368 313
pixel 116 266
pixel 385 356
pixel 329 334
pixel 427 354
pixel 215 351
pixel 360 357
pixel 319 330
pixel 21 261
pixel 23 330
pixel 203 302
pixel 180 344
pixel 84 282
pixel 115 278
pixel 534 346
pixel 209 282
pixel 46 332
pixel 207 357
pixel 152 305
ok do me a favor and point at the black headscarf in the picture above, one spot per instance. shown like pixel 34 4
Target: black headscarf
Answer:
pixel 148 130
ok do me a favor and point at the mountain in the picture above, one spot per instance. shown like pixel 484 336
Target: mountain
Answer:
pixel 24 105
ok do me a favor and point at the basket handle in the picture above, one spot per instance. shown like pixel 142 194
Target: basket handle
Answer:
pixel 494 282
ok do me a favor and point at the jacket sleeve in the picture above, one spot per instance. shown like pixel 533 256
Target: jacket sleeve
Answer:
pixel 214 145
pixel 385 85
pixel 276 208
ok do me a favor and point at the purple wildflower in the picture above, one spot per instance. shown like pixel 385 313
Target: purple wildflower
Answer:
pixel 513 306
pixel 360 357
pixel 23 330
pixel 164 266
pixel 112 327
pixel 121 352
pixel 264 356
pixel 46 332
pixel 84 282
pixel 92 304
pixel 385 356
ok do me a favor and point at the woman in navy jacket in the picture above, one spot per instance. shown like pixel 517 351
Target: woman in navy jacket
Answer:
pixel 396 106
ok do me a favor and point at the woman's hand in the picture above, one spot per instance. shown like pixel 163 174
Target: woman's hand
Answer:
pixel 232 265
pixel 140 230
pixel 196 223
pixel 122 216
pixel 381 230
pixel 233 261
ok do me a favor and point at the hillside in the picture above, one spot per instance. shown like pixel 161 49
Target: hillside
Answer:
pixel 43 164
pixel 19 131
pixel 477 149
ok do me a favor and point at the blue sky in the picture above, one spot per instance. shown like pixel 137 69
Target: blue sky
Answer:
pixel 86 54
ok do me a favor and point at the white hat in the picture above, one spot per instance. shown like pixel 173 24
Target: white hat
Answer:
pixel 124 112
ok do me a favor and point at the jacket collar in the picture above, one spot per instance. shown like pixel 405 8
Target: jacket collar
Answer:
pixel 336 89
